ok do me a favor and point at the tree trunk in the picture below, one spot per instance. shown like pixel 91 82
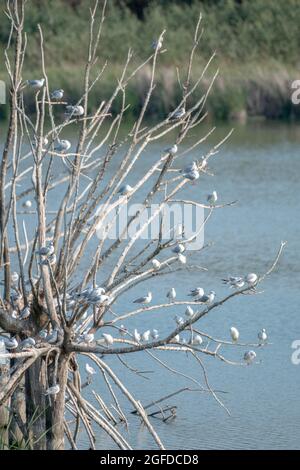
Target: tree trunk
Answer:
pixel 17 431
pixel 58 410
pixel 36 404
pixel 4 412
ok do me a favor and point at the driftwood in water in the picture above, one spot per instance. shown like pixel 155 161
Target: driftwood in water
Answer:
pixel 153 403
pixel 171 408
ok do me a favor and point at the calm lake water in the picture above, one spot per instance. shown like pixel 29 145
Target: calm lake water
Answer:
pixel 260 167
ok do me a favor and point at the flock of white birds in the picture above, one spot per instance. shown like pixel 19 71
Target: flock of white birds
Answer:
pixel 96 296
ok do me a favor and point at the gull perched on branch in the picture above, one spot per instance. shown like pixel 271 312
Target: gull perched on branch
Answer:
pixel 146 335
pixel 14 277
pixel 251 279
pixel 189 312
pixel 74 110
pixel 137 336
pixel 234 333
pixel 57 95
pixel 196 340
pixel 191 167
pixel 15 296
pixel 154 334
pixel 97 291
pixel 262 336
pixel 179 114
pixel 10 343
pixel 52 337
pixel 63 146
pixel 179 248
pixel 178 232
pixel 88 337
pixel 212 198
pixel 43 334
pixel 235 282
pixel 109 340
pixel 47 250
pixel 156 264
pixel 172 150
pixel 89 292
pixel 90 370
pixel 98 299
pixel 191 171
pixel 25 313
pixel 208 299
pixel 249 357
pixel 36 84
pixel 181 258
pixel 93 295
pixel 171 294
pixel 197 292
pixel 157 44
pixel 123 331
pixel 125 190
pixel 14 314
pixel 27 204
pixel 27 343
pixel 192 175
pixel 144 300
pixel 53 390
pixel 179 320
pixel 3 360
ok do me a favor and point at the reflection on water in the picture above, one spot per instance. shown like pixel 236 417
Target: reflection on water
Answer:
pixel 260 167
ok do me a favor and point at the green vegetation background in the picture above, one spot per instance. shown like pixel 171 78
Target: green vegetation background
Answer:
pixel 257 44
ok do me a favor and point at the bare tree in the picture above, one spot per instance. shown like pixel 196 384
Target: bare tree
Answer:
pixel 52 309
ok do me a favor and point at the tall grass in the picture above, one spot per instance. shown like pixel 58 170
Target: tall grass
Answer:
pixel 23 444
pixel 257 44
